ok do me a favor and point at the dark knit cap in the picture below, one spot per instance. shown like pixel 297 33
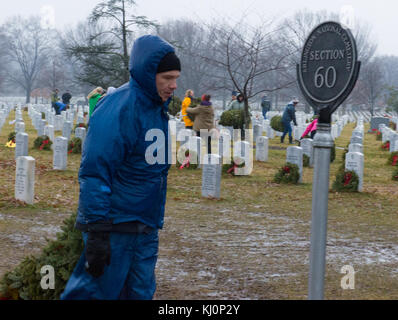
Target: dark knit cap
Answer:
pixel 169 62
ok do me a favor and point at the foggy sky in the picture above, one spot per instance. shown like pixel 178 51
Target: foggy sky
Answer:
pixel 380 15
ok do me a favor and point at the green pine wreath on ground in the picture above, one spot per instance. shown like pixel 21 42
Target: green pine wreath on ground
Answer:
pixel 346 181
pixel 42 143
pixel 289 173
pixel 75 146
pixel 393 159
pixel 395 174
pixel 62 254
pixel 236 162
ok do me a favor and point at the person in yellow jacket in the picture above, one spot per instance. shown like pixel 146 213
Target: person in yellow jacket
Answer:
pixel 185 104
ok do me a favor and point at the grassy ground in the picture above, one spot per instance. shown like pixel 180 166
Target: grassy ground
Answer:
pixel 253 243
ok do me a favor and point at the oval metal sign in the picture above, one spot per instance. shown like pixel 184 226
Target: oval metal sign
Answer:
pixel 327 62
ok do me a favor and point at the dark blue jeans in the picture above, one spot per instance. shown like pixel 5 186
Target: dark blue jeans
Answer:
pixel 130 276
pixel 287 128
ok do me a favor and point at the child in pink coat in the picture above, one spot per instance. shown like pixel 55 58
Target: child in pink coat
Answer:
pixel 311 128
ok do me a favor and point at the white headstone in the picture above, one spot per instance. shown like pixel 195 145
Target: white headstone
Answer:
pixel 60 156
pixel 67 129
pixel 211 176
pixel 49 132
pixel 243 151
pixel 80 132
pixel 25 179
pixel 262 149
pixel 355 147
pixel 224 146
pixel 294 155
pixel 21 145
pixel 308 149
pixel 354 161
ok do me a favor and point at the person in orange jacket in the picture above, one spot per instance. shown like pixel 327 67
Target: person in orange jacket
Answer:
pixel 185 104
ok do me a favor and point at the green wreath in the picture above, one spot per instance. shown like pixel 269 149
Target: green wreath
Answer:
pixel 385 146
pixel 393 159
pixel 276 123
pixel 229 168
pixel 378 135
pixel 192 155
pixel 346 181
pixel 80 125
pixel 42 143
pixel 306 160
pixel 289 173
pixel 75 146
pixel 12 136
pixel 395 174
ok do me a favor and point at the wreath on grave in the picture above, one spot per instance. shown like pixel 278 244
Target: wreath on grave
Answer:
pixel 385 146
pixel 378 135
pixel 188 156
pixel 75 146
pixel 289 173
pixel 236 162
pixel 395 175
pixel 306 160
pixel 393 159
pixel 42 143
pixel 80 125
pixel 346 181
pixel 11 140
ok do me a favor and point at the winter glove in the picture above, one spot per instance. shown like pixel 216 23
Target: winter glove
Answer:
pixel 98 253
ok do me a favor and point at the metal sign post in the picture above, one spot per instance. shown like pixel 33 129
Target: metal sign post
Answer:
pixel 327 74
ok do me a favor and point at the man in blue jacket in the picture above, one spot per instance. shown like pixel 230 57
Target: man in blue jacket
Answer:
pixel 289 115
pixel 122 196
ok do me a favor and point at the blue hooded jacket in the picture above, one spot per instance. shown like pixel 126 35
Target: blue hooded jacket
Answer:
pixel 117 184
pixel 289 114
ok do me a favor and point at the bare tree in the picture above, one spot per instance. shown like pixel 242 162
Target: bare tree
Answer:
pixel 190 40
pixel 250 56
pixel 27 47
pixel 370 85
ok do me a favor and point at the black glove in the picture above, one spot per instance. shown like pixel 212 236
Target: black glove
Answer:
pixel 98 253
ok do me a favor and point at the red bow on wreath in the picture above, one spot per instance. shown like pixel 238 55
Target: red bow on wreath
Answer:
pixel 286 169
pixel 71 148
pixel 347 179
pixel 232 169
pixel 386 146
pixel 43 144
pixel 394 160
pixel 186 162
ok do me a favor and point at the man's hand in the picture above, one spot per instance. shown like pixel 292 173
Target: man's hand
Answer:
pixel 98 253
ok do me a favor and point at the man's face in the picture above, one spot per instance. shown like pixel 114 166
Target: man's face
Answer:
pixel 166 83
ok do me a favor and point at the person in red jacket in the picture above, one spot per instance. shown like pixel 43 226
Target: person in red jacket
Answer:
pixel 311 128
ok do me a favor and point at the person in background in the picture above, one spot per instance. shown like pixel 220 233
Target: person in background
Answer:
pixel 238 104
pixel 204 118
pixel 66 98
pixel 234 95
pixel 265 106
pixel 289 115
pixel 54 100
pixel 123 196
pixel 93 98
pixel 185 105
pixel 311 128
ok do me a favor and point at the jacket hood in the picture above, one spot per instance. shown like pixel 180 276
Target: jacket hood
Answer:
pixel 145 57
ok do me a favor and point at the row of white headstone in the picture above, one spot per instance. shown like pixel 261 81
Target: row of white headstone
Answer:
pixel 25 164
pixel 388 134
pixel 355 159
